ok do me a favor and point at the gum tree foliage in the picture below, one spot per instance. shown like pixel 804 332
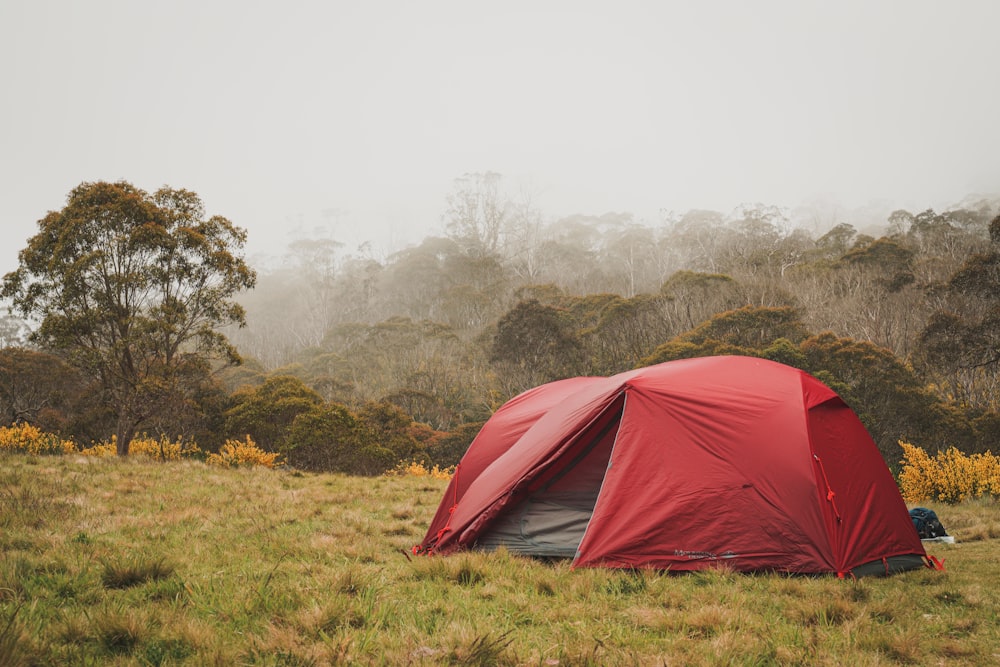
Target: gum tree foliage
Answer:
pixel 699 237
pixel 41 389
pixel 131 288
pixel 629 256
pixel 537 343
pixel 877 295
pixel 398 354
pixel 524 238
pixel 326 373
pixel 477 213
pixel 836 241
pixel 961 342
pixel 754 244
pixel 887 262
pixel 628 329
pixel 692 297
pixel 750 327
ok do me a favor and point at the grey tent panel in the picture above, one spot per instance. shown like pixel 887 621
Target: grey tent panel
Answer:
pixel 551 521
pixel 890 565
pixel 545 525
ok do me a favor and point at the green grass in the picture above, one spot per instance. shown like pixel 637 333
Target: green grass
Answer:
pixel 108 562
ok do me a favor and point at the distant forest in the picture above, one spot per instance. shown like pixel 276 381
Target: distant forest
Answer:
pixel 353 363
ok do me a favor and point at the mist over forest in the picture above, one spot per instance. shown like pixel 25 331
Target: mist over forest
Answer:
pixel 353 362
pixel 451 327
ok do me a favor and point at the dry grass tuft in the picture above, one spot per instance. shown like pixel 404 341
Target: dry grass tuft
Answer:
pixel 134 570
pixel 120 630
pixel 483 651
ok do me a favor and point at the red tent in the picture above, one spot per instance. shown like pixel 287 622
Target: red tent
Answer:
pixel 728 461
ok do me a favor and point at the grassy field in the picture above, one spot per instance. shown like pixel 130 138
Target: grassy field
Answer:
pixel 108 562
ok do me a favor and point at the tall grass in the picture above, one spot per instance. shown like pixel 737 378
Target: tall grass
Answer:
pixel 105 561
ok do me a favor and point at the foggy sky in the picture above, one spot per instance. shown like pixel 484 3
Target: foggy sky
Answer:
pixel 358 116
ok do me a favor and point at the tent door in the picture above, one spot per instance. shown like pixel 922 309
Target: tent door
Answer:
pixel 551 519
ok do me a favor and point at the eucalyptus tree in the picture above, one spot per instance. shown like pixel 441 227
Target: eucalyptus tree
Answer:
pixel 691 297
pixel 132 288
pixel 698 238
pixel 477 213
pixel 630 255
pixel 525 234
pixel 836 241
pixel 535 343
pixel 961 342
pixel 879 298
pixel 413 282
pixel 628 330
pixel 314 263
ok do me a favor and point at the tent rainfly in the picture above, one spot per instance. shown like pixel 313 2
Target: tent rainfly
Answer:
pixel 725 461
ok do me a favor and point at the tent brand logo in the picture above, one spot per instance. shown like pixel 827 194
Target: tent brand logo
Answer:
pixel 702 555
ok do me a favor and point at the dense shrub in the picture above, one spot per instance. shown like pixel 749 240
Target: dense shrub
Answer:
pixel 266 413
pixel 32 440
pixel 450 448
pixel 235 453
pixel 322 438
pixel 949 476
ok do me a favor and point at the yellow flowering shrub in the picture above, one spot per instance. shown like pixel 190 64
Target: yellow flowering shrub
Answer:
pixel 235 453
pixel 101 448
pixel 24 438
pixel 418 469
pixel 950 476
pixel 163 449
pixel 159 450
pixel 30 439
pixel 917 479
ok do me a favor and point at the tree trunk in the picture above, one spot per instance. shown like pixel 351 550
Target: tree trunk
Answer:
pixel 124 433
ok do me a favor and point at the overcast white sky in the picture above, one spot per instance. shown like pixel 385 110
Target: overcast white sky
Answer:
pixel 279 113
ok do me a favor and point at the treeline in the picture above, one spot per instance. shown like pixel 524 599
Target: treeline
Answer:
pixel 353 363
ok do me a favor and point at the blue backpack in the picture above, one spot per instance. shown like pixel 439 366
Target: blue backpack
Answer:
pixel 927 524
